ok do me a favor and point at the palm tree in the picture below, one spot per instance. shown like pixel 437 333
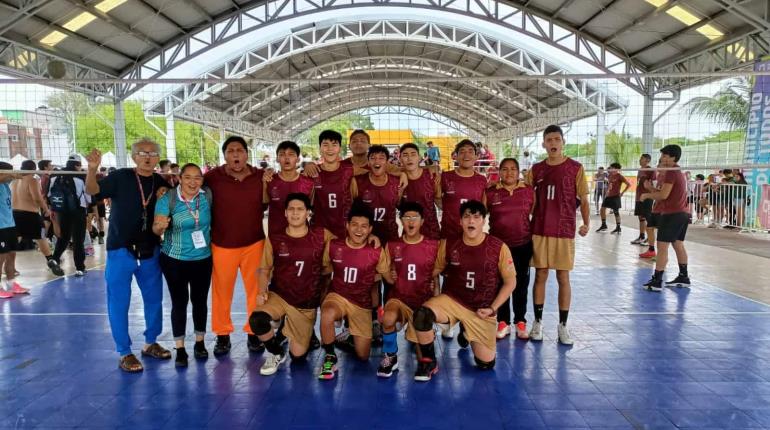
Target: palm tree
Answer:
pixel 729 106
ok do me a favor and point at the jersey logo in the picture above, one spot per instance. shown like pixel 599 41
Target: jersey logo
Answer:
pixel 495 199
pixel 283 249
pixel 337 255
pixel 450 187
pixel 397 253
pixel 454 258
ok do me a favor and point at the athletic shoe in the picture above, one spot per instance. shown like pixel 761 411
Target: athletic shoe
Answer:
pixel 89 251
pixel 55 269
pixel 616 231
pixel 462 340
pixel 637 241
pixel 521 330
pixel 680 281
pixel 644 242
pixel 329 368
pixel 101 240
pixel 5 294
pixel 446 331
pixel 18 289
pixel 564 336
pixel 503 330
pixel 376 333
pixel 426 368
pixel 648 254
pixel 222 346
pixel 388 365
pixel 272 364
pixel 601 229
pixel 199 350
pixel 254 344
pixel 80 273
pixel 536 333
pixel 652 285
pixel 181 357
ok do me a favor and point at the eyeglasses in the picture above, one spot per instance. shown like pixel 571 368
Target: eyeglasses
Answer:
pixel 410 217
pixel 147 154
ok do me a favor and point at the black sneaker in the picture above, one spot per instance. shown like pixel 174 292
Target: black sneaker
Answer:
pixel 680 281
pixel 388 365
pixel 222 346
pixel 314 342
pixel 55 269
pixel 616 231
pixel 601 229
pixel 101 240
pixel 461 340
pixel 653 285
pixel 254 344
pixel 181 357
pixel 426 368
pixel 346 344
pixel 199 350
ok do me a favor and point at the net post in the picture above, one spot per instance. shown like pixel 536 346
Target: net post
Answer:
pixel 119 136
pixel 170 134
pixel 648 125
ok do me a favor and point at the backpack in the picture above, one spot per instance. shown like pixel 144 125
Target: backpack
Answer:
pixel 63 195
pixel 172 198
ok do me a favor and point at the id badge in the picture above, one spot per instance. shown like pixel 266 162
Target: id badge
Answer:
pixel 198 240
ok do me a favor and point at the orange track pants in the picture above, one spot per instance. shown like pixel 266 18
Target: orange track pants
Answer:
pixel 227 261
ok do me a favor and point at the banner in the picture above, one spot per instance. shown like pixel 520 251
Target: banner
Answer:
pixel 757 149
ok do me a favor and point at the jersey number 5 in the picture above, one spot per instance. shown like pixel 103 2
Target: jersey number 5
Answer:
pixel 470 281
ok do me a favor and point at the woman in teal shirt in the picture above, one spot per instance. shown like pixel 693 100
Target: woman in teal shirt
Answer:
pixel 183 217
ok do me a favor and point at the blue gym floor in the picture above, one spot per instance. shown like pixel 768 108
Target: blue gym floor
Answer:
pixel 696 358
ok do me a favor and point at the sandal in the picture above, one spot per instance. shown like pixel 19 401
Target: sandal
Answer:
pixel 157 351
pixel 130 364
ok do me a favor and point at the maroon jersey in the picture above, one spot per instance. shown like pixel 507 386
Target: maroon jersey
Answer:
pixel 423 191
pixel 555 189
pixel 297 267
pixel 332 199
pixel 277 190
pixel 414 263
pixel 383 201
pixel 354 271
pixel 472 273
pixel 509 214
pixel 677 198
pixel 615 180
pixel 641 177
pixel 456 190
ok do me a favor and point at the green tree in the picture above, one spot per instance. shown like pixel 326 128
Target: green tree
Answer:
pixel 729 106
pixel 69 105
pixel 308 140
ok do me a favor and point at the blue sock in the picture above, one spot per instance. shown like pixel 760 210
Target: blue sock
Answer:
pixel 389 344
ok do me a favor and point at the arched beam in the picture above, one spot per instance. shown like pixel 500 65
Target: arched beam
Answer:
pixel 417 113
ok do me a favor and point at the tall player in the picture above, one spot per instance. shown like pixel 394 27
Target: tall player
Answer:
pixel 354 266
pixel 618 185
pixel 381 192
pixel 414 268
pixel 290 283
pixel 421 189
pixel 559 184
pixel 332 197
pixel 459 186
pixel 278 187
pixel 472 266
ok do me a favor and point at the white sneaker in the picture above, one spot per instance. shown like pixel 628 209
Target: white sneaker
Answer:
pixel 536 333
pixel 446 331
pixel 644 242
pixel 564 337
pixel 503 330
pixel 272 364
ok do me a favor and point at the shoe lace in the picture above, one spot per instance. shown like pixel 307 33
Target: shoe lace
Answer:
pixel 387 361
pixel 328 364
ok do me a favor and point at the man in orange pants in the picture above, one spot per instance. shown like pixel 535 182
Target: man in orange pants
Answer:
pixel 237 239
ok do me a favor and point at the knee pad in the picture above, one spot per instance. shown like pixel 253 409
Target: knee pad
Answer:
pixel 423 319
pixel 484 365
pixel 302 357
pixel 260 323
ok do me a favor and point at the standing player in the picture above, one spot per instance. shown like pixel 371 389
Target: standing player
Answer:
pixel 414 269
pixel 8 239
pixel 472 293
pixel 510 203
pixel 421 189
pixel 279 186
pixel 612 200
pixel 559 184
pixel 332 197
pixel 671 203
pixel 292 264
pixel 354 266
pixel 643 208
pixel 459 186
pixel 380 191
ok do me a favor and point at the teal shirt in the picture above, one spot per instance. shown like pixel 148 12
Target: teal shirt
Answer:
pixel 6 210
pixel 177 240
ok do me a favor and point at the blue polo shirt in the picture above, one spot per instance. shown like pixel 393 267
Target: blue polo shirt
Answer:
pixel 177 240
pixel 6 210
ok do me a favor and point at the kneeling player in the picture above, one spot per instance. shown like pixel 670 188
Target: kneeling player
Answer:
pixel 293 259
pixel 471 296
pixel 354 266
pixel 414 270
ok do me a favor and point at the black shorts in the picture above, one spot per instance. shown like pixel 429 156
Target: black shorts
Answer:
pixel 101 208
pixel 29 225
pixel 612 203
pixel 643 209
pixel 8 240
pixel 653 220
pixel 673 227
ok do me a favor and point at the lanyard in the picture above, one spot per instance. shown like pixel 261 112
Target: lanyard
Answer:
pixel 146 201
pixel 196 213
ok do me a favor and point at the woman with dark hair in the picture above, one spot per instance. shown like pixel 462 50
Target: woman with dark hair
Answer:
pixel 183 217
pixel 510 203
pixel 740 199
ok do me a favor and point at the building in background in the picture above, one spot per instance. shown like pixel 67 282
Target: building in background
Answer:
pixel 35 135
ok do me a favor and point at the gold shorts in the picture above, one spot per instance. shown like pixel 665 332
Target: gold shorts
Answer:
pixel 299 322
pixel 404 313
pixel 360 319
pixel 477 329
pixel 553 253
